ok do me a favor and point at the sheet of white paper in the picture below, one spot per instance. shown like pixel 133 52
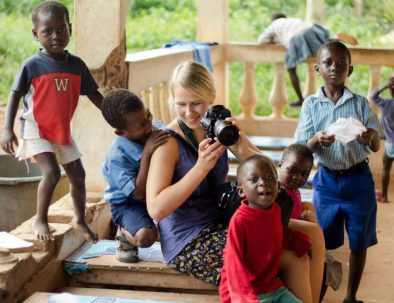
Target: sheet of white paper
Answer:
pixel 12 242
pixel 346 129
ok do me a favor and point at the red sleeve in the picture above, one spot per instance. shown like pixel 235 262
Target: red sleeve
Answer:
pixel 235 274
pixel 297 241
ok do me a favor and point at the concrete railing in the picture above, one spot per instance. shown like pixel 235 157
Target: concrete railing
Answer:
pixel 150 71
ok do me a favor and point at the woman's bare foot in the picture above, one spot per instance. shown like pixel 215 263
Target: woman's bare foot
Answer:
pixel 89 234
pixel 42 231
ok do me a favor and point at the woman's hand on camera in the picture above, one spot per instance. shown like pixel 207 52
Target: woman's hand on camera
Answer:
pixel 209 153
pixel 243 148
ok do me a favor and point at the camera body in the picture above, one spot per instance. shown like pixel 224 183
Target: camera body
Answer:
pixel 215 125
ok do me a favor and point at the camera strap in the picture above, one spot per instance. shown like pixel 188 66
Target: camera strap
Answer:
pixel 189 134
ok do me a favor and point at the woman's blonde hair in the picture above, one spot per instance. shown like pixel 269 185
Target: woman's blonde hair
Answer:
pixel 195 77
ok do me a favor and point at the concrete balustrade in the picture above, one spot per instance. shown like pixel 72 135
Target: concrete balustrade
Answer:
pixel 150 71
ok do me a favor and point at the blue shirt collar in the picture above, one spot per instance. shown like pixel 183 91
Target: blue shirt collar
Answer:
pixel 347 94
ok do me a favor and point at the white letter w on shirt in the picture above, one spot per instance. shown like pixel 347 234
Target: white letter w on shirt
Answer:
pixel 61 84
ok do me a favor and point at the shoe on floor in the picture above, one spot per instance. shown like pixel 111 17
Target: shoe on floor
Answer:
pixel 296 103
pixel 125 251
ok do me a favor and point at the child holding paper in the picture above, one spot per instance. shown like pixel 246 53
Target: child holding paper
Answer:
pixel 344 193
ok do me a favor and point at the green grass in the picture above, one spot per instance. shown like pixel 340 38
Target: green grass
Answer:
pixel 152 23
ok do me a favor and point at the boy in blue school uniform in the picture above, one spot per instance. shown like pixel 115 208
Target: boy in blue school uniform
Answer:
pixel 126 168
pixel 386 106
pixel 344 193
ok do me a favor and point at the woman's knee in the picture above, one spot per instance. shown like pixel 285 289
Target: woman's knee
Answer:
pixel 290 262
pixel 313 230
pixel 316 233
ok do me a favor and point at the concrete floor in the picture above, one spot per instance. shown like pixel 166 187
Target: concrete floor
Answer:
pixel 377 284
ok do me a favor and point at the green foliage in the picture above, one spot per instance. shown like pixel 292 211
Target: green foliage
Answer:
pixel 25 7
pixel 20 7
pixel 15 46
pixel 155 26
pixel 17 43
pixel 152 23
pixel 140 7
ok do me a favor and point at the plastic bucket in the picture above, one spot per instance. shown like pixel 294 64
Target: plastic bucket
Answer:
pixel 18 191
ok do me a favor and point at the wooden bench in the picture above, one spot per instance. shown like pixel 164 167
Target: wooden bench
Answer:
pixel 106 270
pixel 130 295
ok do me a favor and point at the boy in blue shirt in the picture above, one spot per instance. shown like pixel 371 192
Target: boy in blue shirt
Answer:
pixel 126 168
pixel 387 119
pixel 344 193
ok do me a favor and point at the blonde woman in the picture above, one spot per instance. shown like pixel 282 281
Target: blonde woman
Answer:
pixel 181 177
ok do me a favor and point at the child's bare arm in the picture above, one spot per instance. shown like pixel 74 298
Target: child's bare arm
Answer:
pixel 308 212
pixel 96 98
pixel 9 139
pixel 157 138
pixel 371 138
pixel 389 84
pixel 320 138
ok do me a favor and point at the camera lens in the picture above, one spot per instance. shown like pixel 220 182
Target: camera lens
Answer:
pixel 226 132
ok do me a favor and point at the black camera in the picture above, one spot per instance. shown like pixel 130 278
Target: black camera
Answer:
pixel 215 126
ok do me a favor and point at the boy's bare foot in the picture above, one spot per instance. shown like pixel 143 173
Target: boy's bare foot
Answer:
pixel 347 38
pixel 89 234
pixel 383 199
pixel 42 231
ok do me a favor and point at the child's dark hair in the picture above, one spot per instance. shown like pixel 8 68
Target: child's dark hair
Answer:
pixel 254 158
pixel 49 7
pixel 334 43
pixel 278 16
pixel 300 150
pixel 116 104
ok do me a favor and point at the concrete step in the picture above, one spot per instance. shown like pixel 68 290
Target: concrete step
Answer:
pixel 72 294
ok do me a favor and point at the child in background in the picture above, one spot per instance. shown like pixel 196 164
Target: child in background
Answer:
pixel 50 83
pixel 126 168
pixel 344 193
pixel 255 239
pixel 301 39
pixel 387 119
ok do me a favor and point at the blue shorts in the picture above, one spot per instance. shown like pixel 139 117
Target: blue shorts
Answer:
pixel 131 215
pixel 389 149
pixel 305 45
pixel 346 200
